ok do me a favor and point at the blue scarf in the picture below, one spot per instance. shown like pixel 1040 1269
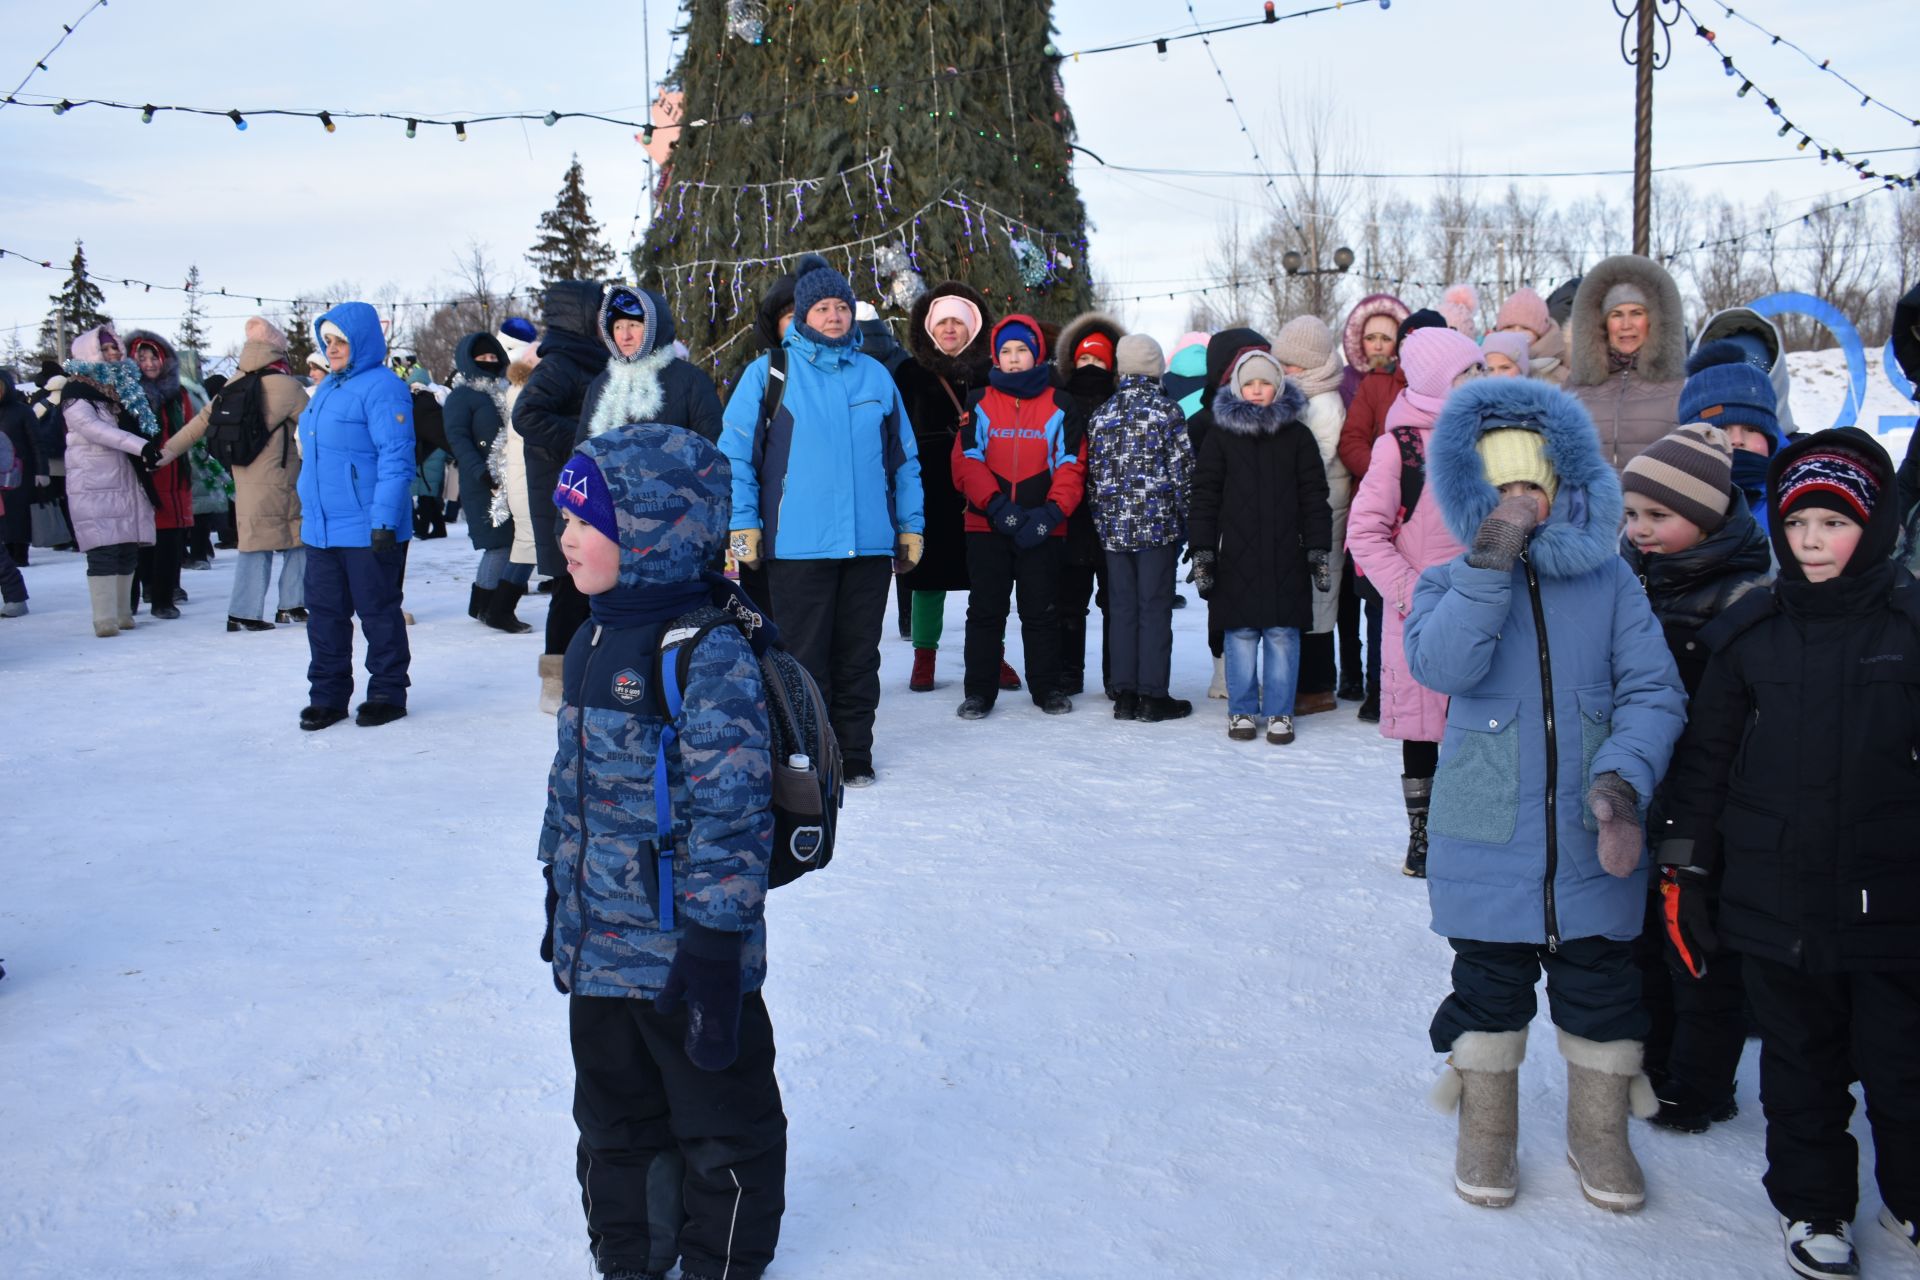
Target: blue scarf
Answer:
pixel 1750 477
pixel 818 338
pixel 641 606
pixel 1025 385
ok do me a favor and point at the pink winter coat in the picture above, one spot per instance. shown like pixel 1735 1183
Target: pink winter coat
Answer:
pixel 103 492
pixel 1393 554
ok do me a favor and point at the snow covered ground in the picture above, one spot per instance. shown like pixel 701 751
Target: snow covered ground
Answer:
pixel 1076 999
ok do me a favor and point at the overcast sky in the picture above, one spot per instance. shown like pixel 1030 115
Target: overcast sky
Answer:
pixel 286 209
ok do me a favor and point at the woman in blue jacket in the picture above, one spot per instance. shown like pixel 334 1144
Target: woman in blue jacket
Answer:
pixel 828 495
pixel 356 471
pixel 1565 706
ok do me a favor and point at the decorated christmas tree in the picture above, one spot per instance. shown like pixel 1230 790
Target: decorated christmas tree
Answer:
pixel 908 143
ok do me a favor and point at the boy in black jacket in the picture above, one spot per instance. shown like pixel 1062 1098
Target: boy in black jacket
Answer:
pixel 1797 777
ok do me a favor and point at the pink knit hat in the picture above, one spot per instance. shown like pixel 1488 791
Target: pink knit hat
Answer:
pixel 1433 358
pixel 1513 346
pixel 1526 309
pixel 1460 304
pixel 1193 339
pixel 260 329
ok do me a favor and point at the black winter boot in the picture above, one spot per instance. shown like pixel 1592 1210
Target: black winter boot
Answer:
pixel 1418 792
pixel 477 600
pixel 499 609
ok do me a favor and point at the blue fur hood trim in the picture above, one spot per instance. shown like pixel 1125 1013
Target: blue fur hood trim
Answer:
pixel 1236 415
pixel 1582 531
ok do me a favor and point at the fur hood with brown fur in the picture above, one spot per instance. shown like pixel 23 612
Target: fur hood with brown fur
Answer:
pixel 1079 327
pixel 1663 359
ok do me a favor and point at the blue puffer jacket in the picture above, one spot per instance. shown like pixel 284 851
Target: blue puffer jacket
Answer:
pixel 601 833
pixel 848 481
pixel 356 442
pixel 1496 870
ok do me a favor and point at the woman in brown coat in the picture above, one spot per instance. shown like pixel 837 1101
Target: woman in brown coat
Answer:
pixel 266 506
pixel 1628 354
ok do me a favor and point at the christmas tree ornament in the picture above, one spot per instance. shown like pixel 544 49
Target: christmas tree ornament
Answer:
pixel 1035 272
pixel 747 20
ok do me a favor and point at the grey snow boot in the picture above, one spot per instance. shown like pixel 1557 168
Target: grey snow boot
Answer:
pixel 1483 1080
pixel 1604 1082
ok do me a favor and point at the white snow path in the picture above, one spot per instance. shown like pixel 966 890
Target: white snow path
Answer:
pixel 1076 998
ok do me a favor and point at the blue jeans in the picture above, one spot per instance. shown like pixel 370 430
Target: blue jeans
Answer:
pixel 249 596
pixel 1263 670
pixel 496 567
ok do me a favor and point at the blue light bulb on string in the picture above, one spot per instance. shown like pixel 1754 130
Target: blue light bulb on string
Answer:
pixel 239 121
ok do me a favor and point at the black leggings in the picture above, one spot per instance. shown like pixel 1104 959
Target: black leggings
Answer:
pixel 1419 759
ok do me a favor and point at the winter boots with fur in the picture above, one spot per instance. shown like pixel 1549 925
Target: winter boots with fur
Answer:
pixel 552 667
pixel 1218 689
pixel 1419 795
pixel 1483 1081
pixel 1604 1082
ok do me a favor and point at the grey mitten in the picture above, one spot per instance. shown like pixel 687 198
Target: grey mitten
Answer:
pixel 1617 806
pixel 1503 534
pixel 1321 570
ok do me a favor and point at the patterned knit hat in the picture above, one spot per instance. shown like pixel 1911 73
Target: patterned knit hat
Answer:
pixel 1830 479
pixel 1514 454
pixel 1688 471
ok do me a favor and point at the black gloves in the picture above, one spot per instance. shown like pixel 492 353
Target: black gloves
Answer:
pixel 1039 526
pixel 1683 908
pixel 706 977
pixel 1004 516
pixel 1201 575
pixel 1503 534
pixel 150 455
pixel 553 903
pixel 1322 572
pixel 384 540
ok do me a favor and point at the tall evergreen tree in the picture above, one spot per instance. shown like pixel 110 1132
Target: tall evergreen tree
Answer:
pixel 299 336
pixel 571 245
pixel 76 308
pixel 191 342
pixel 900 177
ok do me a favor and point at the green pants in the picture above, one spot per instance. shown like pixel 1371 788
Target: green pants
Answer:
pixel 929 618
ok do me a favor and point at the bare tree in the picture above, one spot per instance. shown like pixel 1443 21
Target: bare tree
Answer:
pixel 1318 144
pixel 1233 288
pixel 1842 265
pixel 1456 240
pixel 1390 252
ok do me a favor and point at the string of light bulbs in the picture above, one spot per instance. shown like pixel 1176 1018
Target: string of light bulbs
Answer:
pixel 1787 126
pixel 40 63
pixel 746 117
pixel 1822 64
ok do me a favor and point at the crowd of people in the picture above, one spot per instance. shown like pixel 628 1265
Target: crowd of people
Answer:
pixel 1651 654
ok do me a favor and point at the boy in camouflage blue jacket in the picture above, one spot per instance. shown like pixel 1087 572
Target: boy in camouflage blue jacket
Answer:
pixel 682 1151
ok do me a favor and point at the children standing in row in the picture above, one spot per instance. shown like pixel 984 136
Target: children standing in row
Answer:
pixel 1796 785
pixel 1262 531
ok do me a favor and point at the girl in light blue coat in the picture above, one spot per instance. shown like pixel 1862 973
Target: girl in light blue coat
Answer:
pixel 1565 706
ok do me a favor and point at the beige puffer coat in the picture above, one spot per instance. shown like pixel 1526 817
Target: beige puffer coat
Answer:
pixel 266 505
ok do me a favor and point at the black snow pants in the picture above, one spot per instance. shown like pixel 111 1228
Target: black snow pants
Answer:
pixel 1593 990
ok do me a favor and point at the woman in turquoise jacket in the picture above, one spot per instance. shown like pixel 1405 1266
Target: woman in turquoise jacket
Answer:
pixel 356 468
pixel 828 496
pixel 1565 706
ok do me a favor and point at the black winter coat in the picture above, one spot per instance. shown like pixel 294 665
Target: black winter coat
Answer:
pixel 547 412
pixel 936 422
pixel 1260 503
pixel 16 419
pixel 1090 388
pixel 1798 778
pixel 1690 588
pixel 471 418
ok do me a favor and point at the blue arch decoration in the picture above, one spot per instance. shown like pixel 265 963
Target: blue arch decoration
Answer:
pixel 1824 312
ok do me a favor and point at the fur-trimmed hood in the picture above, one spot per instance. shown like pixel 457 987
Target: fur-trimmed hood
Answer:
pixel 975 358
pixel 1663 358
pixel 1231 413
pixel 166 385
pixel 1374 304
pixel 1581 531
pixel 1079 327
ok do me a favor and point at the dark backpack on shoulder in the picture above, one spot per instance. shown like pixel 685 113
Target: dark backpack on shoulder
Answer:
pixel 807 786
pixel 237 426
pixel 1413 469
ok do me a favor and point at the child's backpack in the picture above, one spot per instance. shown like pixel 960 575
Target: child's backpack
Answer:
pixel 1413 469
pixel 237 426
pixel 807 788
